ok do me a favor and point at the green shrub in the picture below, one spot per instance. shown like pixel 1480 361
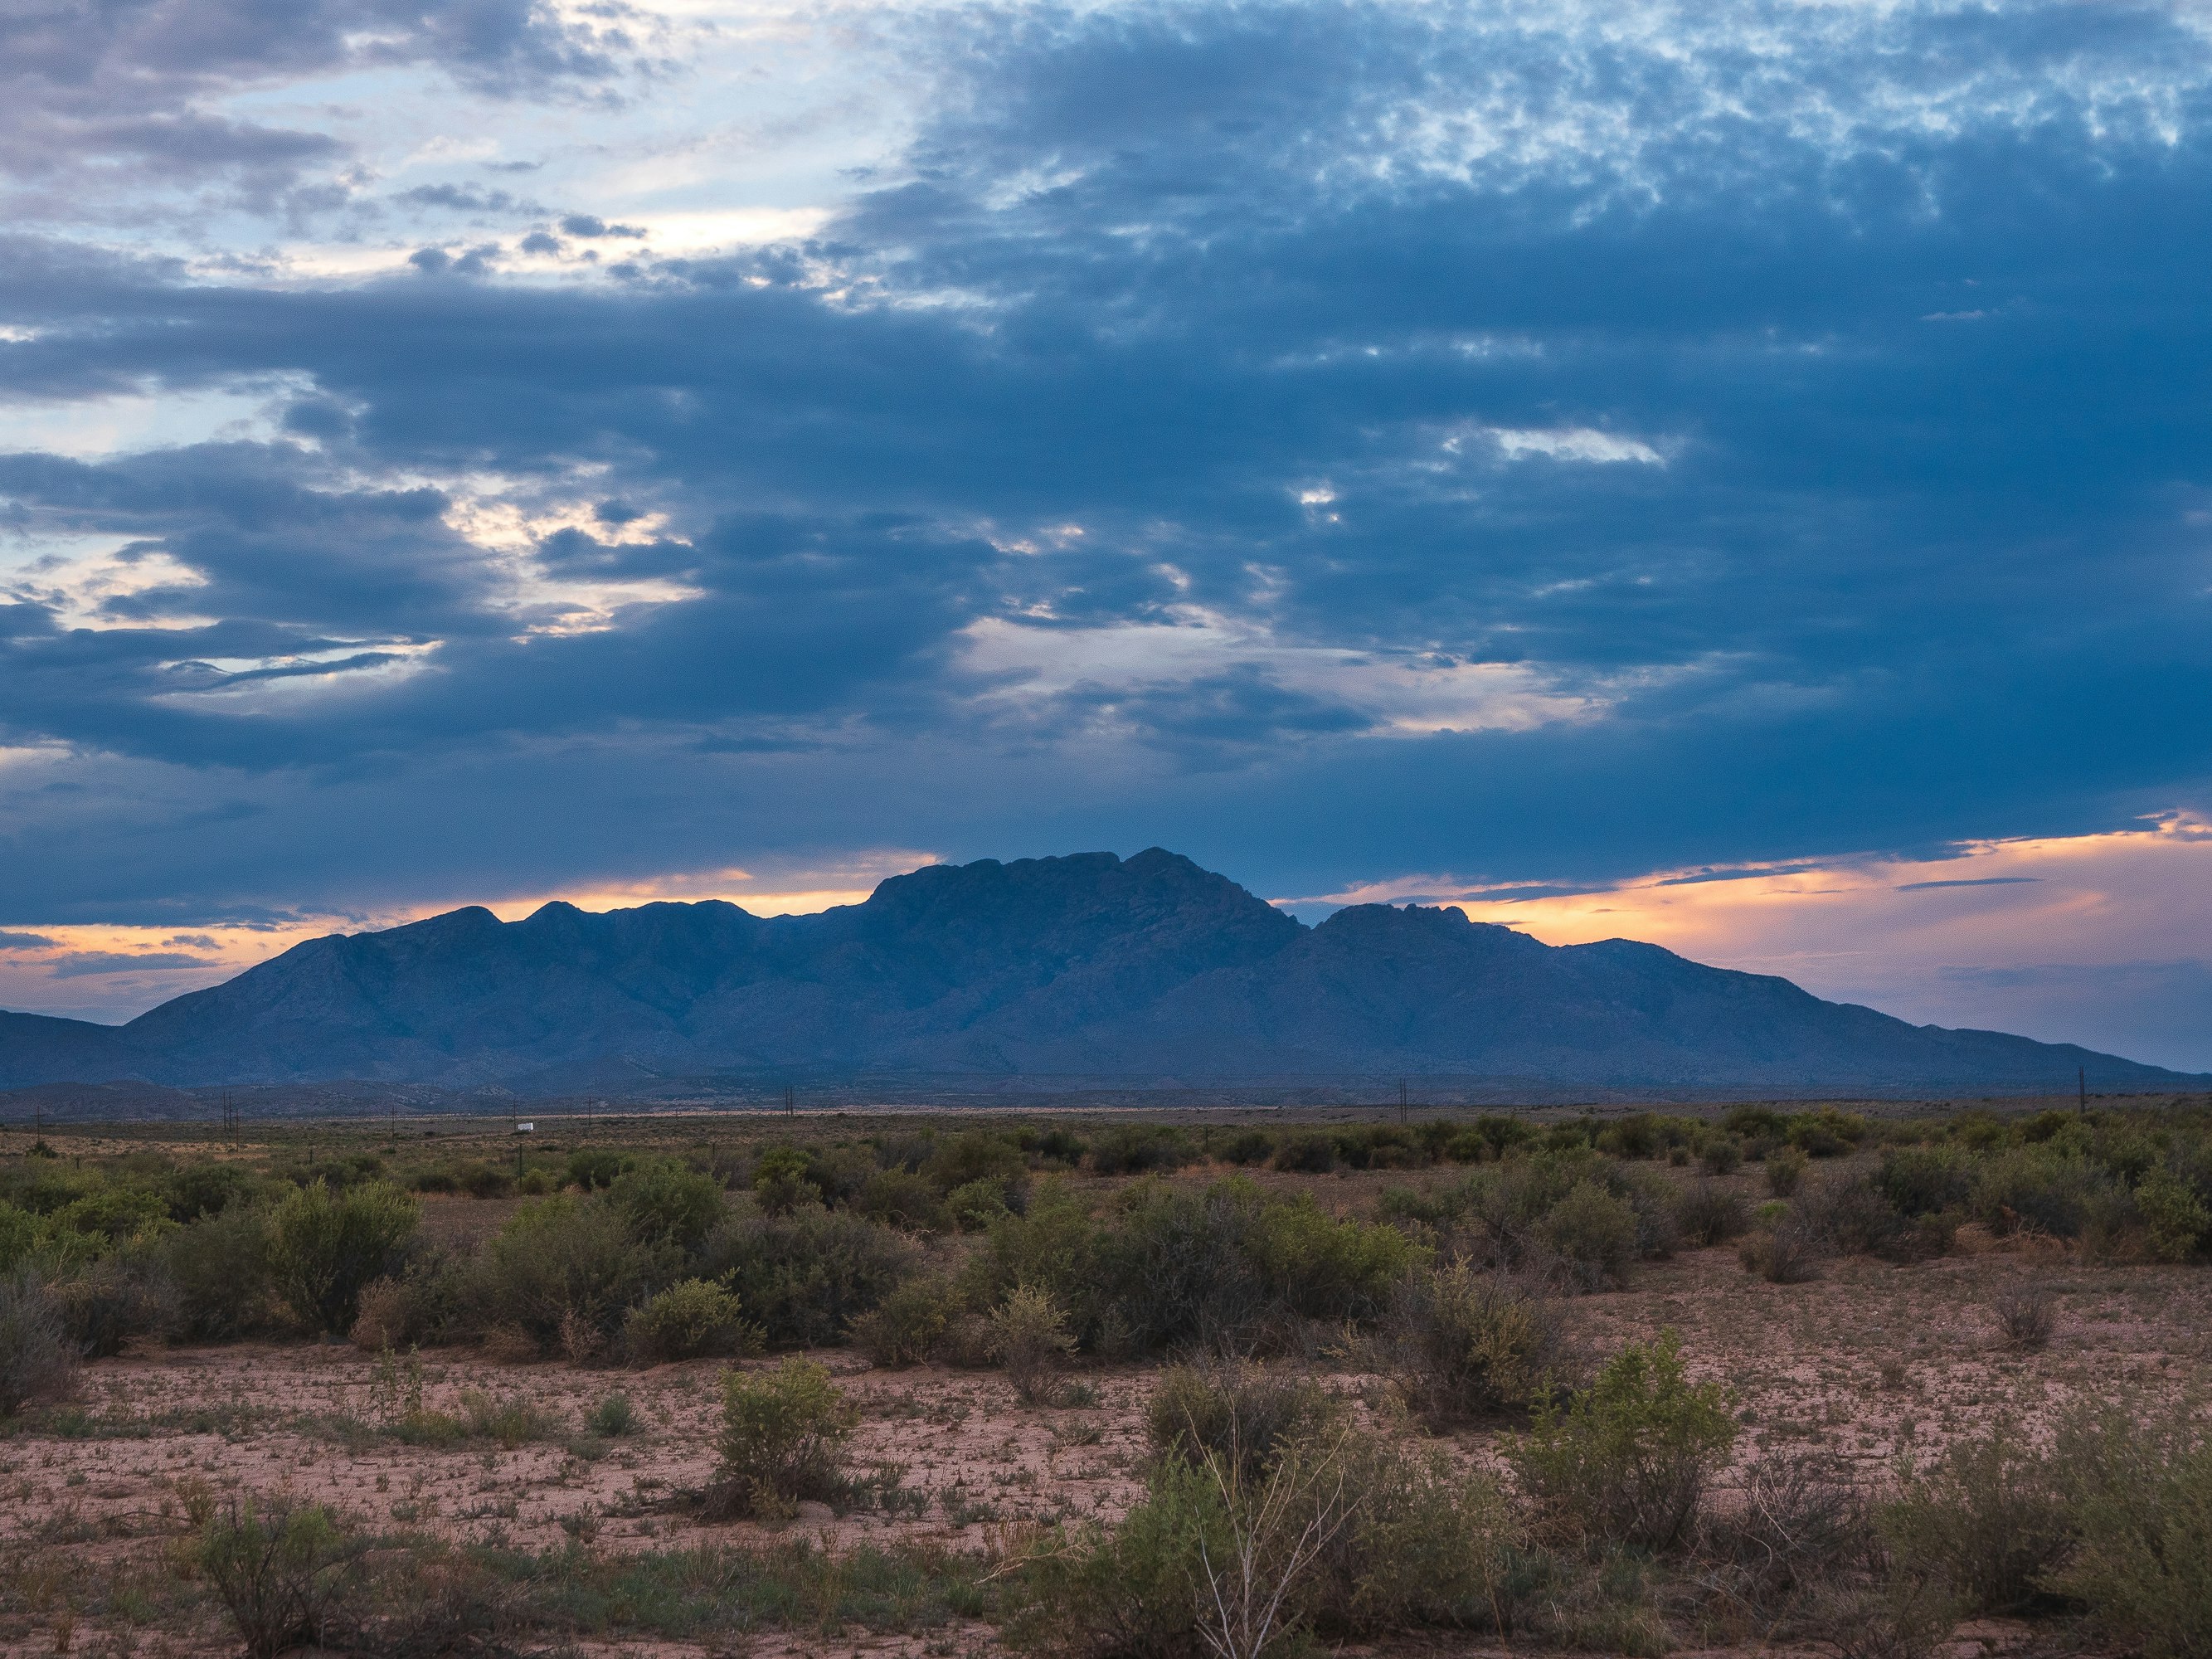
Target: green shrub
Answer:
pixel 326 1246
pixel 114 1300
pixel 613 1417
pixel 1710 1213
pixel 563 1272
pixel 1850 1215
pixel 1247 1147
pixel 972 1208
pixel 1346 1533
pixel 1921 1180
pixel 1468 1346
pixel 38 1361
pixel 976 1155
pixel 907 1326
pixel 783 1435
pixel 21 1234
pixel 1421 1542
pixel 1136 1148
pixel 2140 1490
pixel 1785 1169
pixel 1242 1417
pixel 899 1198
pixel 592 1168
pixel 666 1203
pixel 1030 1339
pixel 1720 1155
pixel 805 1277
pixel 690 1318
pixel 1628 1460
pixel 1987 1519
pixel 220 1265
pixel 197 1191
pixel 2174 1216
pixel 780 1182
pixel 282 1570
pixel 2034 1189
pixel 1306 1154
pixel 1321 1266
pixel 1593 1233
pixel 1128 1592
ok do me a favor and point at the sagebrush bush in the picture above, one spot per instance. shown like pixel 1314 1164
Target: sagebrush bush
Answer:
pixel 38 1361
pixel 689 1319
pixel 325 1247
pixel 1987 1518
pixel 1628 1460
pixel 806 1276
pixel 1030 1341
pixel 282 1570
pixel 2139 1486
pixel 1242 1417
pixel 1464 1344
pixel 908 1325
pixel 782 1438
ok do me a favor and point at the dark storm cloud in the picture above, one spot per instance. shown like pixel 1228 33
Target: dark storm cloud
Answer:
pixel 1829 419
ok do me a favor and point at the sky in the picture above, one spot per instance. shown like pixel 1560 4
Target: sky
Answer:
pixel 1731 474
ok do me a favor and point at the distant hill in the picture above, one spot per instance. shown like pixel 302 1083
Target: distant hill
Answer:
pixel 1090 964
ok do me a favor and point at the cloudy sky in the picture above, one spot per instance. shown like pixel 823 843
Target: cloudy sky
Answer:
pixel 1732 474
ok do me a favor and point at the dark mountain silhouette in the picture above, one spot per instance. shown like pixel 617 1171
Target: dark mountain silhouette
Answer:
pixel 1091 965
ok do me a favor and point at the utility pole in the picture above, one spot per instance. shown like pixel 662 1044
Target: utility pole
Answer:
pixel 790 1100
pixel 2082 1111
pixel 1401 1100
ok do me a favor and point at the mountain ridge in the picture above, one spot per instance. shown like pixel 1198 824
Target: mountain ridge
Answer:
pixel 1085 964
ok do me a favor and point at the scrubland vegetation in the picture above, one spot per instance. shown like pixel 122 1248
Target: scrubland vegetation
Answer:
pixel 1227 1390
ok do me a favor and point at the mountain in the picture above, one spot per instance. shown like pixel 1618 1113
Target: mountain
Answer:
pixel 1090 965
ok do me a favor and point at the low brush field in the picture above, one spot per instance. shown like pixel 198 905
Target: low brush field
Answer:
pixel 1869 1383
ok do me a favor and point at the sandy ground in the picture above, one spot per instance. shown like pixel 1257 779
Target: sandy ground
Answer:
pixel 1868 1361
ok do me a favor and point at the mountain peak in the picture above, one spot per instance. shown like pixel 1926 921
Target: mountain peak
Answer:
pixel 1084 964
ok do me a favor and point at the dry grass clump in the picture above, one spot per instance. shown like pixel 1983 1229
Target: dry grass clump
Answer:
pixel 1787 1253
pixel 2026 1315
